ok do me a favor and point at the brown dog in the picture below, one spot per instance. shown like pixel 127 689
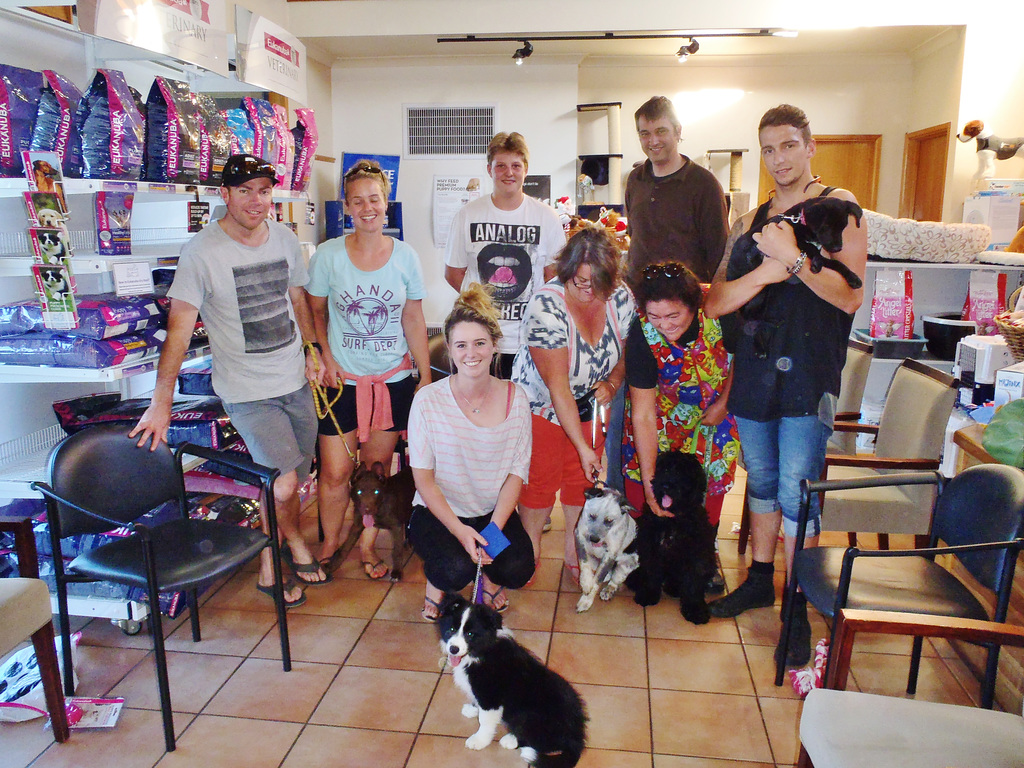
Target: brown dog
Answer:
pixel 388 500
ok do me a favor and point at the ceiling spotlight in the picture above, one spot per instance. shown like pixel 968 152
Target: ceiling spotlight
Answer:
pixel 523 53
pixel 685 51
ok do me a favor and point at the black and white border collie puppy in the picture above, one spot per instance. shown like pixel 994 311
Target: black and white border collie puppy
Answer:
pixel 505 683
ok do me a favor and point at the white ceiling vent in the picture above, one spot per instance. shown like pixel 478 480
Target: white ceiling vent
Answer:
pixel 434 131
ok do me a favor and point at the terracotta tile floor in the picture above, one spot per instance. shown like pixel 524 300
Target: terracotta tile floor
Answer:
pixel 367 690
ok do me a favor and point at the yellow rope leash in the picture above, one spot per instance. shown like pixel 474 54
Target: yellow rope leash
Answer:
pixel 325 406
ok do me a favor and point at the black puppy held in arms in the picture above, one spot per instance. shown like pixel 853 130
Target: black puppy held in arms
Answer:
pixel 677 553
pixel 818 224
pixel 507 684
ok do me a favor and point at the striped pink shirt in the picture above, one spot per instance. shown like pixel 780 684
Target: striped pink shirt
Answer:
pixel 470 463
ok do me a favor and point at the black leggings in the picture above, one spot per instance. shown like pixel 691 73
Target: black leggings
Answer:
pixel 449 567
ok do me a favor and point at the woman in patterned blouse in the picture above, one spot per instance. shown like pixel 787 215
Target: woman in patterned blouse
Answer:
pixel 575 332
pixel 679 373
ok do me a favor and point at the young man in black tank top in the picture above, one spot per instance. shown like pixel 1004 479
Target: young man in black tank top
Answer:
pixel 786 380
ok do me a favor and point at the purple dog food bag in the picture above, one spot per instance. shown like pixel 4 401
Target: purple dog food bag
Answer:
pixel 264 126
pixel 243 138
pixel 216 147
pixel 172 133
pixel 285 148
pixel 55 122
pixel 112 129
pixel 20 90
pixel 306 140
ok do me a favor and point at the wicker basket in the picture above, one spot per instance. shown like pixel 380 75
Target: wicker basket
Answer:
pixel 1013 336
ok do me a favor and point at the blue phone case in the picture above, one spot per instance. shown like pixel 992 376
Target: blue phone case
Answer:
pixel 496 540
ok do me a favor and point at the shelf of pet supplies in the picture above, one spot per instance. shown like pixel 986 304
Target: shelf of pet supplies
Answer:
pixel 972 265
pixel 45 374
pixel 13 187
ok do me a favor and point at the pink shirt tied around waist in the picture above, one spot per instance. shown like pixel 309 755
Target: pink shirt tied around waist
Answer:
pixel 373 400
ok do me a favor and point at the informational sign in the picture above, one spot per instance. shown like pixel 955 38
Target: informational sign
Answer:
pixel 538 187
pixel 132 278
pixel 190 30
pixel 387 163
pixel 269 56
pixel 450 194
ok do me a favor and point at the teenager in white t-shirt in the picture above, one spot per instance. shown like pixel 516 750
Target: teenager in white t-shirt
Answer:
pixel 507 241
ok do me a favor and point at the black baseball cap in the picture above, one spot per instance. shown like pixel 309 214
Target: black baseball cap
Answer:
pixel 242 168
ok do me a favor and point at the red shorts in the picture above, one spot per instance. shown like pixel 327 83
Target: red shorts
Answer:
pixel 555 467
pixel 635 496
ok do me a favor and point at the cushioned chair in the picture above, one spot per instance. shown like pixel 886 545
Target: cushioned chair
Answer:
pixel 851 394
pixel 847 729
pixel 979 515
pixel 909 436
pixel 25 611
pixel 101 480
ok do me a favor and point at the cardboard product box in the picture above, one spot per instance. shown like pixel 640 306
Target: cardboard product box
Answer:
pixel 1003 185
pixel 1009 384
pixel 1000 211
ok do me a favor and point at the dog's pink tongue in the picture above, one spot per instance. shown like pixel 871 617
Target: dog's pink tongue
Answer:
pixel 666 502
pixel 454 661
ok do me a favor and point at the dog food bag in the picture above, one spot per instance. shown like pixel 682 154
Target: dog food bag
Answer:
pixel 285 148
pixel 986 294
pixel 62 350
pixel 216 149
pixel 264 126
pixel 114 222
pixel 243 138
pixel 55 122
pixel 306 141
pixel 101 316
pixel 892 306
pixel 20 90
pixel 172 133
pixel 112 129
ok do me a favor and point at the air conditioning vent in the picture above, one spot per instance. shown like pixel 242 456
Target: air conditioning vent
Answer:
pixel 439 131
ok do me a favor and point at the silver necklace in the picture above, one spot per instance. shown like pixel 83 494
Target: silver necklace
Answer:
pixel 482 401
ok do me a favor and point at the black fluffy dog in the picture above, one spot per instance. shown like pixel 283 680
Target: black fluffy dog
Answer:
pixel 677 553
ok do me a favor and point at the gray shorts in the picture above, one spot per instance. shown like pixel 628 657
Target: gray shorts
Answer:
pixel 280 432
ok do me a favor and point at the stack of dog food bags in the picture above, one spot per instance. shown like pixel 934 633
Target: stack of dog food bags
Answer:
pixel 110 330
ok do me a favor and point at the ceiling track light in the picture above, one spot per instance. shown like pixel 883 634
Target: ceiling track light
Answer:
pixel 685 51
pixel 523 53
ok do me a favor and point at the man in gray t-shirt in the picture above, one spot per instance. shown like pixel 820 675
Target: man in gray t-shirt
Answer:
pixel 245 274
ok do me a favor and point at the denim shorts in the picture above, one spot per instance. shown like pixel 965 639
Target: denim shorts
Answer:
pixel 280 432
pixel 777 456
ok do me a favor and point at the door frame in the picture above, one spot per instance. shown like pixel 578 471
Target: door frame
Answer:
pixel 911 160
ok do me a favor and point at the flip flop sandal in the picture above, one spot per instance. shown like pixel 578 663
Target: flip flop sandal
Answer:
pixel 300 568
pixel 491 597
pixel 371 568
pixel 289 585
pixel 428 603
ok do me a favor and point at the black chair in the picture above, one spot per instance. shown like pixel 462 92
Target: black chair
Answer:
pixel 979 515
pixel 101 480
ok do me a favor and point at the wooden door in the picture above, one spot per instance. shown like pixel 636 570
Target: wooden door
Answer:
pixel 850 162
pixel 924 173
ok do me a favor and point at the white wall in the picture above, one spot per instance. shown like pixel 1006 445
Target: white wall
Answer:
pixel 537 101
pixel 720 105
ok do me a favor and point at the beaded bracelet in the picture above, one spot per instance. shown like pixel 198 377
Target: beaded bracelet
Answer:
pixel 798 264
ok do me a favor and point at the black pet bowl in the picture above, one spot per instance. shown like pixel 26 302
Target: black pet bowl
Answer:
pixel 942 332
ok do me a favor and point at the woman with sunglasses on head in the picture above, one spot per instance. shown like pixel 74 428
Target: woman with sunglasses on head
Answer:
pixel 575 331
pixel 365 291
pixel 679 372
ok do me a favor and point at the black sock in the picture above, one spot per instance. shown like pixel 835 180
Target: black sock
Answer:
pixel 765 569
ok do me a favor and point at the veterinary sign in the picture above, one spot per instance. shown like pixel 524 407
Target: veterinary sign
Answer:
pixel 190 30
pixel 269 56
